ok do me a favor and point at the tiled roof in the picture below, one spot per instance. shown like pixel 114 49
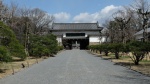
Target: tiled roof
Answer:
pixel 75 26
pixel 141 32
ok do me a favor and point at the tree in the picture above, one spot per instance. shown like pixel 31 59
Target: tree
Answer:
pixel 12 15
pixel 3 12
pixel 105 48
pixel 8 39
pixel 142 10
pixel 123 18
pixel 43 45
pixel 111 29
pixel 33 21
pixel 100 49
pixel 5 54
pixel 22 30
pixel 41 20
pixel 26 22
pixel 139 50
pixel 116 48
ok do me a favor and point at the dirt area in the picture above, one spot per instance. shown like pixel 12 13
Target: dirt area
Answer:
pixel 143 67
pixel 11 68
pixel 15 66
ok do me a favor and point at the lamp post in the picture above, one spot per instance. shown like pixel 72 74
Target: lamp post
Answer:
pixel 145 22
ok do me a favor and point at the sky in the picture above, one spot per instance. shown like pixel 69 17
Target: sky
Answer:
pixel 85 11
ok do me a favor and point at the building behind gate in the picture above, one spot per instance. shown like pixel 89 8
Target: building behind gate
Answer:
pixel 77 35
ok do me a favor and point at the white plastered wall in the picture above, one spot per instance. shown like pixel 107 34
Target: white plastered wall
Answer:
pixel 59 40
pixel 96 39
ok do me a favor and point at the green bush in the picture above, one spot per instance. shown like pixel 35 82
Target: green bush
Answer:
pixel 5 54
pixel 17 50
pixel 45 45
pixel 105 48
pixel 60 48
pixel 139 50
pixel 90 47
pixel 116 48
pixel 8 39
pixel 93 47
pixel 101 48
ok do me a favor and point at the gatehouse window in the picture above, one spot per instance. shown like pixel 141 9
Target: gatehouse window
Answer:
pixel 75 34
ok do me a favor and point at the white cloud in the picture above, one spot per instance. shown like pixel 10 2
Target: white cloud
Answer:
pixel 83 17
pixel 108 9
pixel 62 17
pixel 101 16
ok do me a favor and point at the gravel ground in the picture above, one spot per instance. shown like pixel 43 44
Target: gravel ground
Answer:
pixel 76 67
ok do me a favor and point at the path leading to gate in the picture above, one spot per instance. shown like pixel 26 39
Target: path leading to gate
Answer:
pixel 76 67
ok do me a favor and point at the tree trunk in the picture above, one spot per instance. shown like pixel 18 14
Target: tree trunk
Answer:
pixel 100 52
pixel 136 62
pixel 106 53
pixel 117 55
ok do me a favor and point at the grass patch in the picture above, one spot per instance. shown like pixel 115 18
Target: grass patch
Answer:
pixel 145 61
pixel 16 64
pixel 125 60
pixel 111 54
pixel 124 57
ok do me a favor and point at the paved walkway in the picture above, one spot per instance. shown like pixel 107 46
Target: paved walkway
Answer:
pixel 76 67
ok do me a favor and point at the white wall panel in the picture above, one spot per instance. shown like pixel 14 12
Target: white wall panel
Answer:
pixel 59 39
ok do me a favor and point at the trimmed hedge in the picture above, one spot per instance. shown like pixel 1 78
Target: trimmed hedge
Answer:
pixel 137 48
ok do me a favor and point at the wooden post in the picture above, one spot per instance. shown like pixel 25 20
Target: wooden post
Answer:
pixel 23 66
pixel 13 71
pixel 28 63
pixel 36 60
pixel 130 65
